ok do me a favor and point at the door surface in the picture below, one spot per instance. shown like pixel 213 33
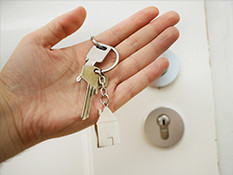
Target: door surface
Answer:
pixel 190 95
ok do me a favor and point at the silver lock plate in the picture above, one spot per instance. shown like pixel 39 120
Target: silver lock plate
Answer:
pixel 164 127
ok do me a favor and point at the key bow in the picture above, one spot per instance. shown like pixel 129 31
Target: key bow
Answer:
pixel 105 47
pixel 97 54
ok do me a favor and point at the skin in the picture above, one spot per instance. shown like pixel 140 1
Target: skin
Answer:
pixel 39 96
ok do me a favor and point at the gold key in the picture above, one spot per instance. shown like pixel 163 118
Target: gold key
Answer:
pixel 92 78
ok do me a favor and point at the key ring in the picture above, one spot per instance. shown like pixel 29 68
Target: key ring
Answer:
pixel 104 47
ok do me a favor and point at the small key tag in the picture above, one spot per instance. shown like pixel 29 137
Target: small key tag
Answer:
pixel 107 129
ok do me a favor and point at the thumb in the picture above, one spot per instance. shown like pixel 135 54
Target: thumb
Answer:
pixel 60 27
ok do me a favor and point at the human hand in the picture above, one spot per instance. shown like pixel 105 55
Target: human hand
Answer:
pixel 40 97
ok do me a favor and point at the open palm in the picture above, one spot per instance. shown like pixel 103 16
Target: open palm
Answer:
pixel 42 80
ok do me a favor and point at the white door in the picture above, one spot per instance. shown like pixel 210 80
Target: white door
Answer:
pixel 191 95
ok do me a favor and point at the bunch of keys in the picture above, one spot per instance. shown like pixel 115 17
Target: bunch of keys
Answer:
pixel 107 128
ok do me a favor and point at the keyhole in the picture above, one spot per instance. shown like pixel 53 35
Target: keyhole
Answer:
pixel 163 121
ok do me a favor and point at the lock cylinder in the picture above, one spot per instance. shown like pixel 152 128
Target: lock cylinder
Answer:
pixel 163 122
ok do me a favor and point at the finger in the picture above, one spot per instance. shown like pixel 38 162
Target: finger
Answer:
pixel 124 29
pixel 147 34
pixel 145 56
pixel 60 27
pixel 135 84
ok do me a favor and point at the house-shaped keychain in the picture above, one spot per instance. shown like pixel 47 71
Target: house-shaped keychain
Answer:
pixel 107 129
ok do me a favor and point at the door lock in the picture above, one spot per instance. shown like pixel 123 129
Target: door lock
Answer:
pixel 164 127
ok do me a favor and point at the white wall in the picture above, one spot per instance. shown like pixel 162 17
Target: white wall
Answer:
pixel 220 30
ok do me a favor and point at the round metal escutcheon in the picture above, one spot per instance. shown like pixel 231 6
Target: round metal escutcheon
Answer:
pixel 154 131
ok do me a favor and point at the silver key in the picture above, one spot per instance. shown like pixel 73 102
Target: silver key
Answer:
pixel 92 79
pixel 96 55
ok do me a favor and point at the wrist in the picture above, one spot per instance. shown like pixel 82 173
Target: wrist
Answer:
pixel 10 140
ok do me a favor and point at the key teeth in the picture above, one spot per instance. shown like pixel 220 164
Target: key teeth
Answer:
pixel 95 91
